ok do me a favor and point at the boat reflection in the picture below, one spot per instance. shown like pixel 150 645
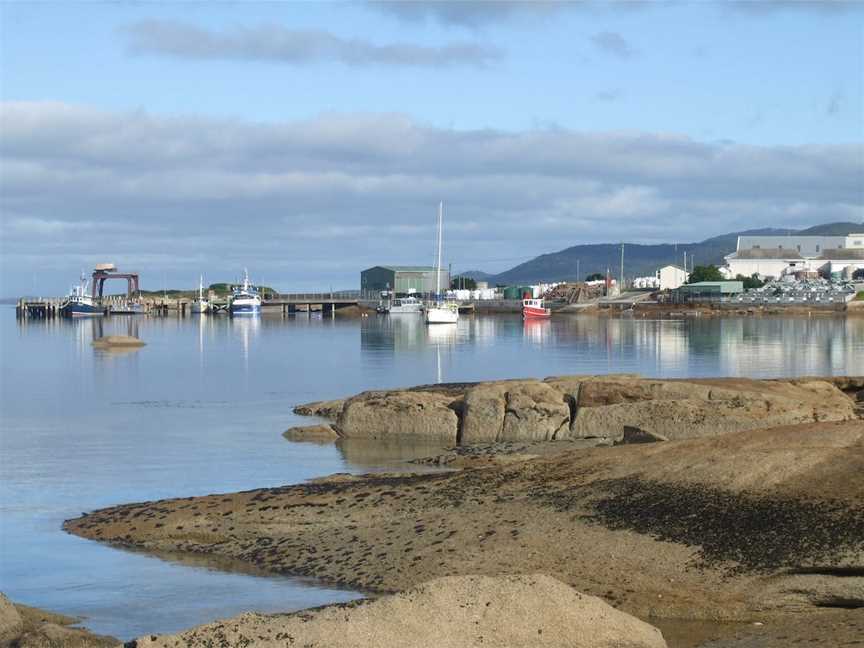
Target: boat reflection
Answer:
pixel 537 331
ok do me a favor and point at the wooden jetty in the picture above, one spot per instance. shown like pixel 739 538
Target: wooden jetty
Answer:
pixel 288 304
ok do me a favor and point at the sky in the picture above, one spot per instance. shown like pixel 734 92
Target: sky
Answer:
pixel 308 141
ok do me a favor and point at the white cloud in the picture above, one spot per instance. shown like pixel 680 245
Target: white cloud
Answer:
pixel 292 46
pixel 362 189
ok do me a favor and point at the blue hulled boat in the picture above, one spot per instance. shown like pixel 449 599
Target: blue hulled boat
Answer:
pixel 79 304
pixel 245 299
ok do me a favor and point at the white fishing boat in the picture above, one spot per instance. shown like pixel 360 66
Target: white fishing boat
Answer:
pixel 441 311
pixel 404 306
pixel 245 299
pixel 201 305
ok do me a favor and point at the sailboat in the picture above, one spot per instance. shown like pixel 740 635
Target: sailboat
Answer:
pixel 441 312
pixel 201 305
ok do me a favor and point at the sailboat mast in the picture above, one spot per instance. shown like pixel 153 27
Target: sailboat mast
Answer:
pixel 438 266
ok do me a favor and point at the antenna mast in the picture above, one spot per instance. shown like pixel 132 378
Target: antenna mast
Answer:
pixel 438 265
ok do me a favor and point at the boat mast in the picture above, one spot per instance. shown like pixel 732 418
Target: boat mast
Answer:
pixel 201 288
pixel 438 266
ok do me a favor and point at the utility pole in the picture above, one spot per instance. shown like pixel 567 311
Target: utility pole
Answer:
pixel 621 287
pixel 685 260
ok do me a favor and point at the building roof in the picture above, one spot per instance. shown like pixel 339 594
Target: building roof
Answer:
pixel 397 268
pixel 767 253
pixel 845 254
pixel 724 286
pixel 672 265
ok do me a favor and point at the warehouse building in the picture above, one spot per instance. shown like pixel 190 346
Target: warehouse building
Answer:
pixel 710 291
pixel 776 256
pixel 402 280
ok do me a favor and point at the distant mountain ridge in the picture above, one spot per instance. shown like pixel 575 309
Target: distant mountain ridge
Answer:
pixel 640 260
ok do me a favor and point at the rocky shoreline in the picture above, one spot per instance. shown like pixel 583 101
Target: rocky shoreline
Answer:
pixel 22 626
pixel 752 511
pixel 603 409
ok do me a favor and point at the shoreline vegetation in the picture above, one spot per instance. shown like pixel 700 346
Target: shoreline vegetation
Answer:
pixel 715 500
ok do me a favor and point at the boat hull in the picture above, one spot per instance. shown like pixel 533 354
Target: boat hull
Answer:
pixel 128 309
pixel 245 309
pixel 81 310
pixel 436 315
pixel 405 310
pixel 529 312
pixel 200 307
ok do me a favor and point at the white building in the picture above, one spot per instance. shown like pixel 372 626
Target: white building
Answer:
pixel 776 256
pixel 671 277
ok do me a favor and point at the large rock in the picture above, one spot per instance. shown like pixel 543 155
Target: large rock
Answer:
pixel 597 392
pixel 728 406
pixel 311 433
pixel 515 410
pixel 535 412
pixel 483 413
pixel 578 407
pixel 382 415
pixel 11 622
pixel 329 409
pixel 119 341
pixel 452 612
pixel 671 419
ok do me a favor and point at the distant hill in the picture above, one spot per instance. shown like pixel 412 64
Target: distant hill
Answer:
pixel 832 229
pixel 641 260
pixel 477 275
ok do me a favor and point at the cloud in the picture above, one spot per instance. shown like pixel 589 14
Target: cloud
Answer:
pixel 608 96
pixel 295 47
pixel 614 44
pixel 470 14
pixel 814 6
pixel 480 13
pixel 341 192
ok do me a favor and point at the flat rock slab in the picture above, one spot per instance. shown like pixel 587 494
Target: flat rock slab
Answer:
pixel 311 433
pixel 574 407
pixel 118 341
pixel 452 612
pixel 329 409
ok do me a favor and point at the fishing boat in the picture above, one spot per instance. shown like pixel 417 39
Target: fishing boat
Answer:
pixel 534 309
pixel 128 308
pixel 200 305
pixel 404 306
pixel 78 303
pixel 245 299
pixel 441 311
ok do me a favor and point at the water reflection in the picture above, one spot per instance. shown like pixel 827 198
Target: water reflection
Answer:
pixel 701 346
pixel 379 456
pixel 537 331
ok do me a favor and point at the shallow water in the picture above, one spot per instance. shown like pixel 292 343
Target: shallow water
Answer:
pixel 201 409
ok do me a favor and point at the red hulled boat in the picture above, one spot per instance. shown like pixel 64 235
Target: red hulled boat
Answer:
pixel 534 309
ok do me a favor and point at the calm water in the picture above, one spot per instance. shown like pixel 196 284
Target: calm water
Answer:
pixel 201 409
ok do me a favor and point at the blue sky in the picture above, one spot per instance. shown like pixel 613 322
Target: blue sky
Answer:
pixel 158 134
